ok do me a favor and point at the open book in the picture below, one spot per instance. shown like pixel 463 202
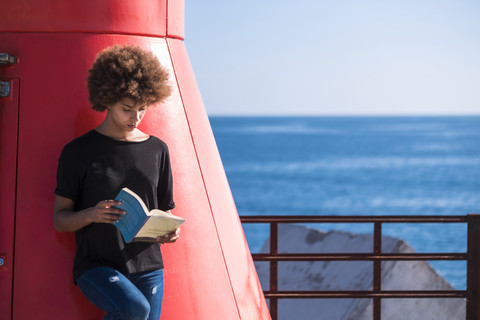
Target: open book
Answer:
pixel 139 224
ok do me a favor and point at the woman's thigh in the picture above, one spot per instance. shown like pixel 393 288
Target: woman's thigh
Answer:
pixel 114 293
pixel 151 285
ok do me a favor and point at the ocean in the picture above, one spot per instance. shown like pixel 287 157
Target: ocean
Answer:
pixel 357 166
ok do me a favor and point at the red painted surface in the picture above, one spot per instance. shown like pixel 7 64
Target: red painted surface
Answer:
pixel 209 273
pixel 8 170
pixel 139 17
pixel 248 293
pixel 175 14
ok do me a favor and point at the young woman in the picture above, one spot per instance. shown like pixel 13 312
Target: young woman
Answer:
pixel 123 279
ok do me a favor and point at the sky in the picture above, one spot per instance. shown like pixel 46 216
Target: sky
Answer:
pixel 335 57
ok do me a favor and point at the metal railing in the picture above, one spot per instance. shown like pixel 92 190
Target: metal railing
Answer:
pixel 472 257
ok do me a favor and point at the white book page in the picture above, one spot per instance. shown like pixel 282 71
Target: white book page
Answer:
pixel 159 223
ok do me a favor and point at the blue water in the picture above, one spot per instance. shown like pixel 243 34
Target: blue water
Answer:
pixel 357 166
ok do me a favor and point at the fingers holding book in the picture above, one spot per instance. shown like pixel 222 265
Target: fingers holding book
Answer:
pixel 105 212
pixel 171 237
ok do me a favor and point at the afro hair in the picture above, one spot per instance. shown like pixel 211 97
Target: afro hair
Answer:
pixel 126 72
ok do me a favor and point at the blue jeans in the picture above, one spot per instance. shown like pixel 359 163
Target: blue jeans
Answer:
pixel 136 296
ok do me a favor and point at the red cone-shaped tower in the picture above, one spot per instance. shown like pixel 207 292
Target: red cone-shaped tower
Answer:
pixel 209 273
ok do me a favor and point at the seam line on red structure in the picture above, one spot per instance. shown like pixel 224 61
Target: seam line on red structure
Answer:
pixel 12 259
pixel 203 180
pixel 148 35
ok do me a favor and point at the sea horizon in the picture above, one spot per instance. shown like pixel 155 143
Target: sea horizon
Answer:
pixel 342 115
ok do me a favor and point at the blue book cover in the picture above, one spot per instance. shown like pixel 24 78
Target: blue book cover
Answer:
pixel 139 223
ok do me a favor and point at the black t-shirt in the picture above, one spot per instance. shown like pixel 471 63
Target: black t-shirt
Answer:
pixel 93 168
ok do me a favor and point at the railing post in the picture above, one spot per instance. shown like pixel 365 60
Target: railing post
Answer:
pixel 377 269
pixel 273 269
pixel 473 267
pixel 472 257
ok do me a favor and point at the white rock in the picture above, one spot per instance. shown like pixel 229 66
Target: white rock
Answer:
pixel 354 275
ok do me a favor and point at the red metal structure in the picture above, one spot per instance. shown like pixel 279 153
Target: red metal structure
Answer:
pixel 43 105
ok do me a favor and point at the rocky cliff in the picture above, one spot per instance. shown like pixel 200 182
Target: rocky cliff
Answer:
pixel 354 275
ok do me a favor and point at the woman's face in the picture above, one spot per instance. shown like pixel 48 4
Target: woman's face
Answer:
pixel 126 115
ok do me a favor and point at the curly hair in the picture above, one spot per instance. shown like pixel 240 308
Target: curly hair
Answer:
pixel 126 72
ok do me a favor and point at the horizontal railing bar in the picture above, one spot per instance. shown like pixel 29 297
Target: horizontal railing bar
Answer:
pixel 376 256
pixel 354 219
pixel 365 294
pixel 357 256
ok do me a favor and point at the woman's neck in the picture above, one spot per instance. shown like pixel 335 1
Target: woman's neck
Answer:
pixel 135 135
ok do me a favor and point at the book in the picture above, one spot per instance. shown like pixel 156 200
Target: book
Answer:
pixel 140 224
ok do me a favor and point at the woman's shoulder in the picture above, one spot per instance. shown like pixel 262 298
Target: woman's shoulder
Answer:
pixel 157 141
pixel 80 144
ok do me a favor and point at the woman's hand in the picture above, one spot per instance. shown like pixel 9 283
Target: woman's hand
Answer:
pixel 170 237
pixel 67 220
pixel 104 212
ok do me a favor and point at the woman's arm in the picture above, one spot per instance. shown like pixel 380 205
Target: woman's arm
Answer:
pixel 67 220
